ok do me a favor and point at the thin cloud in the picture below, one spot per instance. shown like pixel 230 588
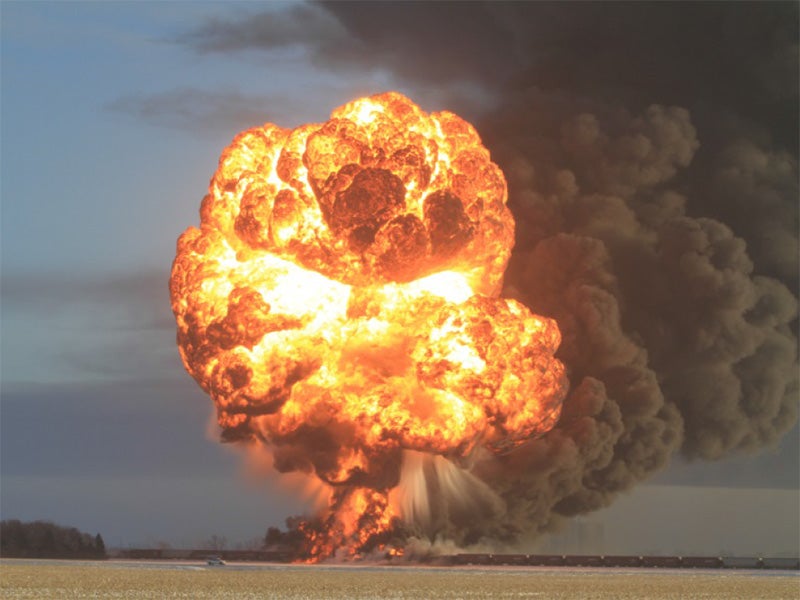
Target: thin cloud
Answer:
pixel 142 297
pixel 119 328
pixel 434 42
pixel 299 25
pixel 193 109
pixel 74 420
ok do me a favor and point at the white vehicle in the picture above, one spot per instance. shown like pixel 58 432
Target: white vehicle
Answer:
pixel 215 561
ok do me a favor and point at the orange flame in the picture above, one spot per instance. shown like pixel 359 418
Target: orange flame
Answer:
pixel 341 292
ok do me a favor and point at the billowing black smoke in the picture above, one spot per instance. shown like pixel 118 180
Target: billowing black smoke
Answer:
pixel 651 154
pixel 674 340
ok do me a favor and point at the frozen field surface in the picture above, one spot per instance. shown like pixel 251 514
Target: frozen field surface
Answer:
pixel 50 579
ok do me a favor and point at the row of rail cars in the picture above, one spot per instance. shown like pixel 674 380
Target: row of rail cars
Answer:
pixel 594 560
pixel 536 560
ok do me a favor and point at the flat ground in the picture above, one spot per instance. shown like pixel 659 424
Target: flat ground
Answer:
pixel 157 580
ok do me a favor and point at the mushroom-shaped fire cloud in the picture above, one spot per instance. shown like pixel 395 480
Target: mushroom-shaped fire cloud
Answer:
pixel 339 303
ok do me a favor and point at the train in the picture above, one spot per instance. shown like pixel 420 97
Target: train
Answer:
pixel 482 559
pixel 594 560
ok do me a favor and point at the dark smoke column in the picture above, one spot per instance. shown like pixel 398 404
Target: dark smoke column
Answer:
pixel 672 340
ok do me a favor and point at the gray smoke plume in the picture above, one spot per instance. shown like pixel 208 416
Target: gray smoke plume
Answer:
pixel 651 154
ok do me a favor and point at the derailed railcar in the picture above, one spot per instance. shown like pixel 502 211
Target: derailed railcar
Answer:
pixel 546 560
pixel 472 559
pixel 589 560
pixel 622 561
pixel 662 562
pixel 701 562
pixel 509 559
pixel 142 553
pixel 741 562
pixel 791 564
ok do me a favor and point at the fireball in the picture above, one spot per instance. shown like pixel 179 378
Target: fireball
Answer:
pixel 339 303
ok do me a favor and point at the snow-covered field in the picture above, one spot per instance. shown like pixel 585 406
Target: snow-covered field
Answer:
pixel 50 579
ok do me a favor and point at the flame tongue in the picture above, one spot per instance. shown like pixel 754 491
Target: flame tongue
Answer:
pixel 359 520
pixel 339 303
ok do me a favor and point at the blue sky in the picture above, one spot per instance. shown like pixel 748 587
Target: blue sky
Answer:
pixel 110 133
pixel 101 426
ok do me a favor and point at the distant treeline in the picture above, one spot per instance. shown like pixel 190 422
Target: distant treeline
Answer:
pixel 43 539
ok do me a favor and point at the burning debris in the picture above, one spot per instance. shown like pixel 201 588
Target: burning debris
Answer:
pixel 340 304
